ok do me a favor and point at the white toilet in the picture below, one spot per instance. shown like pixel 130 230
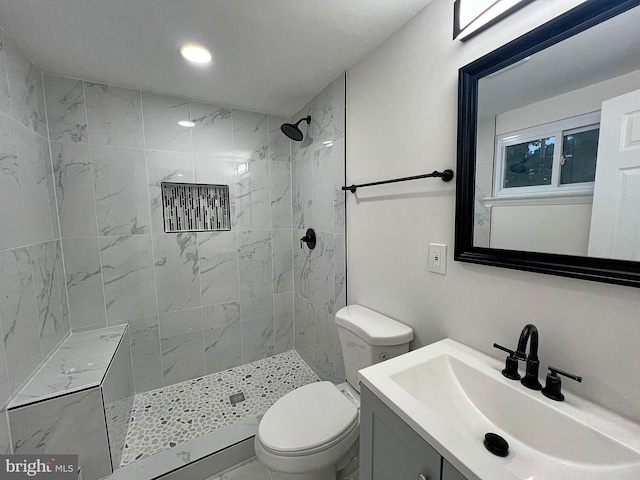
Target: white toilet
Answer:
pixel 312 432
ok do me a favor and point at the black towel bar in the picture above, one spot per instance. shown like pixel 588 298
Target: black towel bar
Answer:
pixel 446 175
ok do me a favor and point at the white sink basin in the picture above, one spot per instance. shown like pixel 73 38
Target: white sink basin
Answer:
pixel 452 395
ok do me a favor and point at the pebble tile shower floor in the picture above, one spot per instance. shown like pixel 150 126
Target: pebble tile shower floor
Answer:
pixel 163 418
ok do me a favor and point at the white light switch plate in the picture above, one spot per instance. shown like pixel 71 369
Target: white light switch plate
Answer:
pixel 438 258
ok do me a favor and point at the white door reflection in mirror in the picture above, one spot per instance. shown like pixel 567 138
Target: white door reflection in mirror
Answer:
pixel 615 219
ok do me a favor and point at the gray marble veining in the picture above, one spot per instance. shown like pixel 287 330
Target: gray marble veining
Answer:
pixel 25 87
pixel 60 376
pixel 5 102
pixel 146 354
pixel 322 274
pixel 250 135
pixel 280 178
pixel 253 203
pixel 279 143
pixel 79 363
pixel 66 114
pixel 118 396
pixel 10 190
pixel 305 328
pixel 161 128
pixel 255 263
pixel 302 189
pixel 165 166
pixel 46 263
pixel 322 180
pixel 318 173
pixel 52 427
pixel 128 277
pixel 258 335
pixel 222 336
pixel 84 282
pixel 181 339
pixel 5 438
pixel 328 354
pixel 218 267
pixel 213 130
pixel 321 112
pixel 33 155
pixel 283 316
pixel 74 189
pixel 18 315
pixel 177 271
pixel 122 206
pixel 302 267
pixel 114 115
pixel 282 252
pixel 5 386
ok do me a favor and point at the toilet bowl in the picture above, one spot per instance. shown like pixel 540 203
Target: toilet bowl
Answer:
pixel 312 432
pixel 309 441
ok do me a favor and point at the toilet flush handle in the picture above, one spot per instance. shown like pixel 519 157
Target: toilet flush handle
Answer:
pixel 422 477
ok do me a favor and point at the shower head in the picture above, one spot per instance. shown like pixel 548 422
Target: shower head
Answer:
pixel 292 130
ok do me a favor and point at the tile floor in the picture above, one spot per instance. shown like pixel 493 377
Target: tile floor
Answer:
pixel 166 417
pixel 252 469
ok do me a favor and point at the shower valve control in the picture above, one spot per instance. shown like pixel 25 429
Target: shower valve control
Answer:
pixel 309 239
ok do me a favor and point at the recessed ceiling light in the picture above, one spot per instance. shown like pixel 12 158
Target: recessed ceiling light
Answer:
pixel 186 123
pixel 195 53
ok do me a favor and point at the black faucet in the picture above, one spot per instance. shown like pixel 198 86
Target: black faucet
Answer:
pixel 530 379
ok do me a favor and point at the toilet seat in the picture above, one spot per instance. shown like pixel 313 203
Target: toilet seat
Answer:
pixel 308 420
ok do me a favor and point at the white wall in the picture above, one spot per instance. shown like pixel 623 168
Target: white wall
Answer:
pixel 402 104
pixel 577 102
pixel 562 229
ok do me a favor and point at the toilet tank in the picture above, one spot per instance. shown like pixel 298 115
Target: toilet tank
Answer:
pixel 368 337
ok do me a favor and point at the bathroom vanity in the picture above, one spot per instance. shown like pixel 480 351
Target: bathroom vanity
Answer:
pixel 389 448
pixel 426 414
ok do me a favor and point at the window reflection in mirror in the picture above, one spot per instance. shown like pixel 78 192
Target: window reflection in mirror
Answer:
pixel 544 174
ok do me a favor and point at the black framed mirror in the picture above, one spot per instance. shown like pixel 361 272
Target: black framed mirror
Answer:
pixel 531 194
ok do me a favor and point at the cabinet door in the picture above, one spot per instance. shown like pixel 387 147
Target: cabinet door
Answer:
pixel 449 472
pixel 389 448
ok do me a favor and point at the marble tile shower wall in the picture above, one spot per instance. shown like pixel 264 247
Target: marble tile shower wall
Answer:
pixel 33 303
pixel 318 202
pixel 196 303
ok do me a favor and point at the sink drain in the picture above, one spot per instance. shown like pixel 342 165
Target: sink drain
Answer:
pixel 496 444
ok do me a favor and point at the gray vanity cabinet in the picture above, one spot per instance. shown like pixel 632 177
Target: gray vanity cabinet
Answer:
pixel 449 472
pixel 391 450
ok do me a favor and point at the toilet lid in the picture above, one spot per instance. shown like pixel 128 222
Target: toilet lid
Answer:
pixel 311 418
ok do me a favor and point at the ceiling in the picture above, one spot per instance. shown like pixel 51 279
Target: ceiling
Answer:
pixel 607 50
pixel 270 56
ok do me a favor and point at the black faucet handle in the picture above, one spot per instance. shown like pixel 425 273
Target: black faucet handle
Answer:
pixel 553 386
pixel 511 363
pixel 504 349
pixel 566 374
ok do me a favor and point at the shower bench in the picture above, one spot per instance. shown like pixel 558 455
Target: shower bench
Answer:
pixel 78 402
